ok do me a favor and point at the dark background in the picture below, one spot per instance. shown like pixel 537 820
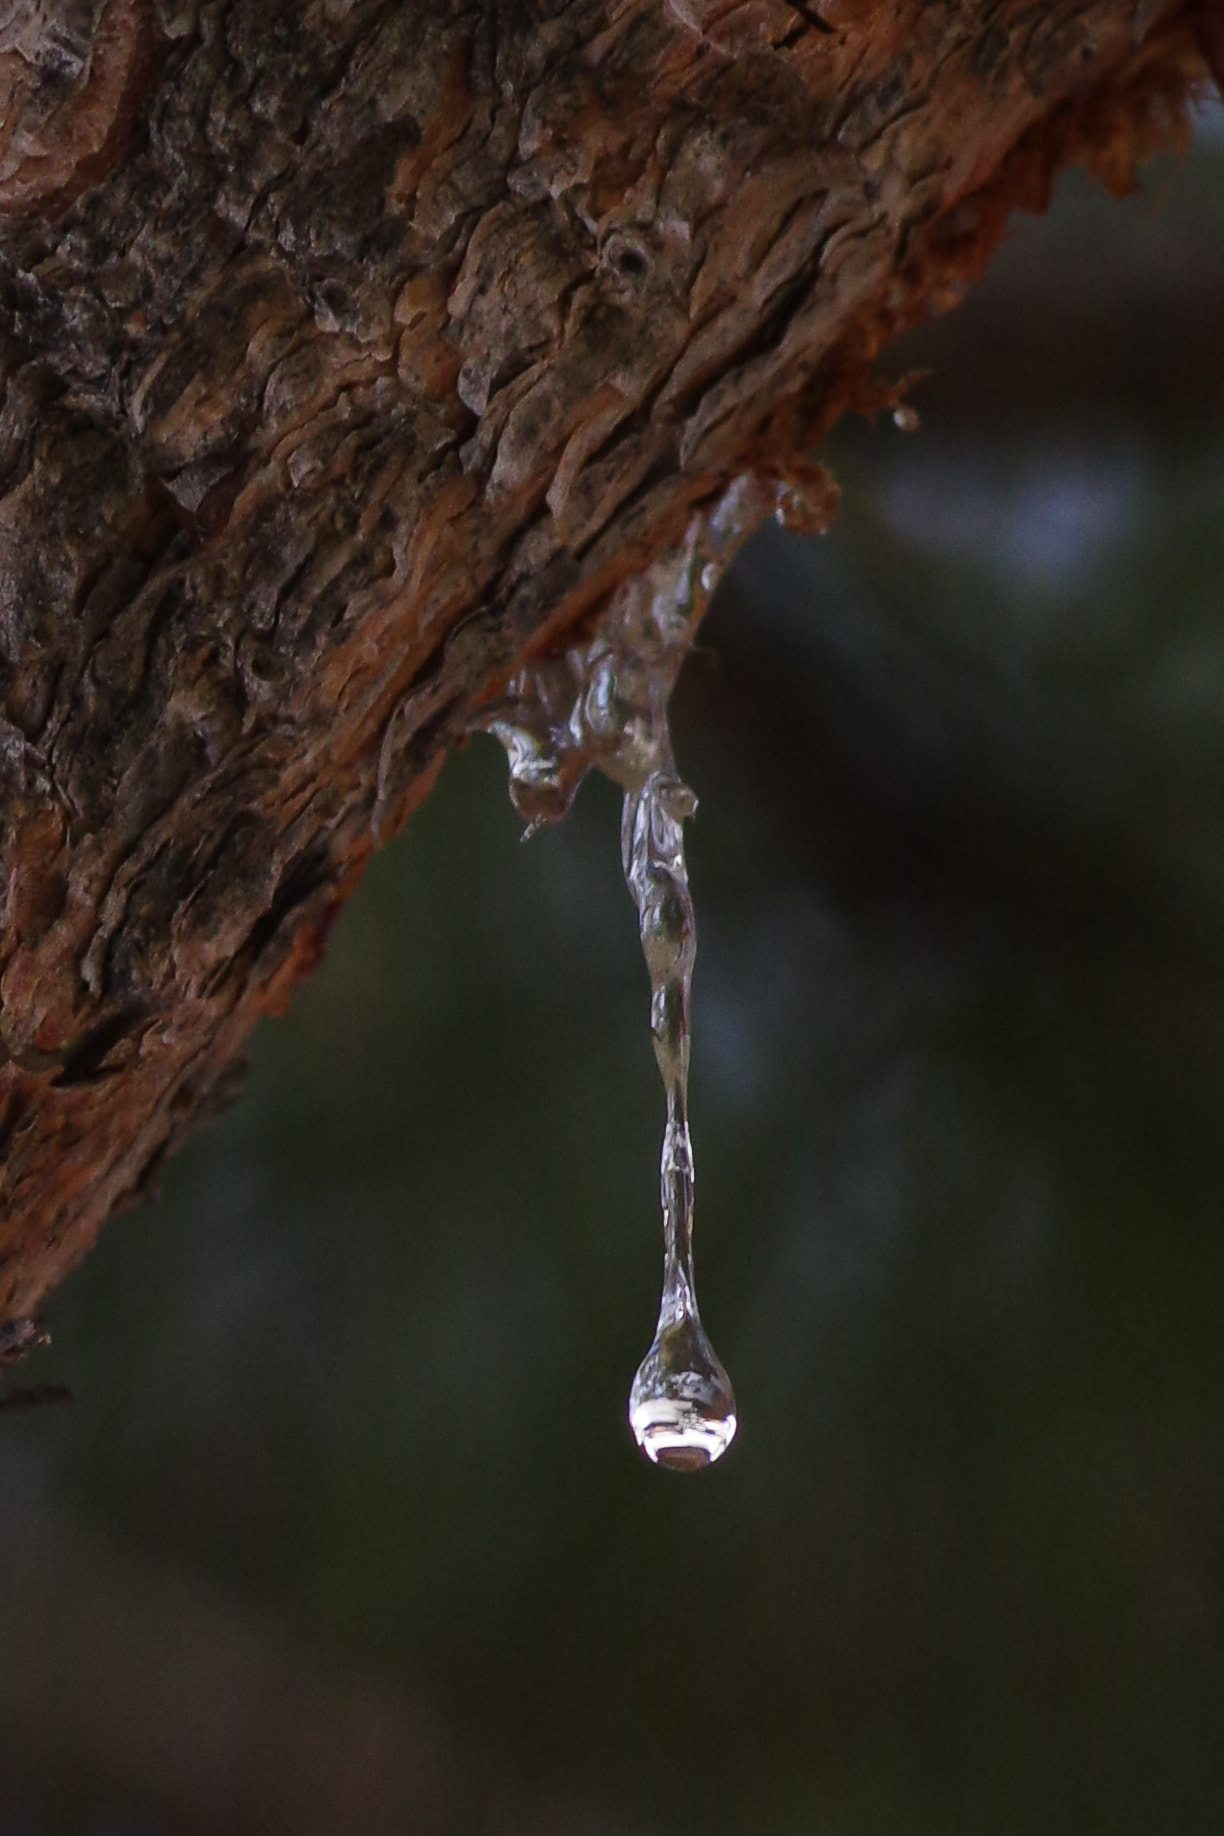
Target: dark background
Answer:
pixel 345 1530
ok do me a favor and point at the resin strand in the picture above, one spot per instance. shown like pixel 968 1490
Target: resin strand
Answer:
pixel 681 1406
pixel 602 702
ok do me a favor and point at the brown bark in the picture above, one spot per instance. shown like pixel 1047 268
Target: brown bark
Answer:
pixel 352 349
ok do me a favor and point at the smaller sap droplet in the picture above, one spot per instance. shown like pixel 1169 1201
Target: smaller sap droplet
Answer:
pixel 793 509
pixel 682 1406
pixel 906 418
pixel 709 577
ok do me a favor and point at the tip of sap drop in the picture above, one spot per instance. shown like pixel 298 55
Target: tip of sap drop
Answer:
pixel 906 418
pixel 679 1435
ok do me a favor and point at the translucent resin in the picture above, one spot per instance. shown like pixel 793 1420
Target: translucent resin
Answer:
pixel 603 702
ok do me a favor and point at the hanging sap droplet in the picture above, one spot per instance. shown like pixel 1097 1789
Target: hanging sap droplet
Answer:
pixel 682 1406
pixel 603 702
pixel 906 418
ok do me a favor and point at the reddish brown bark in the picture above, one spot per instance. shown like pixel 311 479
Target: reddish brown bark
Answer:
pixel 352 350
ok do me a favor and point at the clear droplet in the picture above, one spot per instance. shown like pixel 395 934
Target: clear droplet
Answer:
pixel 906 418
pixel 682 1406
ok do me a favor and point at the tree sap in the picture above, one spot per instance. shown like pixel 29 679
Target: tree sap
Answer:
pixel 603 702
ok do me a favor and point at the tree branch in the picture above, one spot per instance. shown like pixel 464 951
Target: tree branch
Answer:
pixel 352 351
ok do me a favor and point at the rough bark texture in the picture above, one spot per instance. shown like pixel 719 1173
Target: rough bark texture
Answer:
pixel 353 348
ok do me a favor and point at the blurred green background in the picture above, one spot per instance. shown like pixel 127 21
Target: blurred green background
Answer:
pixel 345 1530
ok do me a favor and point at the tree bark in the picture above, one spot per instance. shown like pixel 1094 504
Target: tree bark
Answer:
pixel 353 350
